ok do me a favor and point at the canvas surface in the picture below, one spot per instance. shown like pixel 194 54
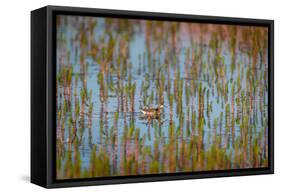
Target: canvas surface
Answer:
pixel 138 97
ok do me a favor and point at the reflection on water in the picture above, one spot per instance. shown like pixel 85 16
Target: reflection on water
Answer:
pixel 147 97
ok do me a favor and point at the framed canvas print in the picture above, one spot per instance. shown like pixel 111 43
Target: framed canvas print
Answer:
pixel 125 96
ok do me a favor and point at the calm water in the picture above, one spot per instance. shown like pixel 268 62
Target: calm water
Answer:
pixel 211 80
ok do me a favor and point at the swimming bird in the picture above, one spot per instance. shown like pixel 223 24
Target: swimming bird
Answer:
pixel 152 112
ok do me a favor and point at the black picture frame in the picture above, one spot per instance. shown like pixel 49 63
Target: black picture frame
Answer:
pixel 43 98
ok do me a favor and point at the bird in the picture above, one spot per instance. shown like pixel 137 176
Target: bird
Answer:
pixel 152 112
